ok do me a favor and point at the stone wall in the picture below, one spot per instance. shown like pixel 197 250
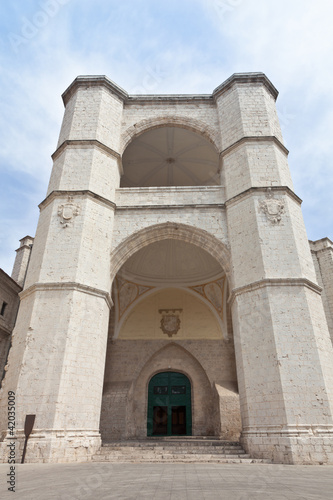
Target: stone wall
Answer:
pixel 197 321
pixel 253 227
pixel 9 303
pixel 130 365
pixel 322 254
pixel 199 349
pixel 206 216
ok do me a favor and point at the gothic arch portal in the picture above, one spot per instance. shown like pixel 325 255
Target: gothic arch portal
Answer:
pixel 172 357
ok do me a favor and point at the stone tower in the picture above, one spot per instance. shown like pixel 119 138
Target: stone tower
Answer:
pixel 171 244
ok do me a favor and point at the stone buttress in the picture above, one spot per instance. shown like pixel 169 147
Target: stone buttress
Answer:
pixel 282 344
pixel 56 364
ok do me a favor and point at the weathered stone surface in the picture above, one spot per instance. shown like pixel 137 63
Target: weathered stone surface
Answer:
pixel 257 350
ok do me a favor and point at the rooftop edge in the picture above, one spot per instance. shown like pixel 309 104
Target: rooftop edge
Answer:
pixel 104 81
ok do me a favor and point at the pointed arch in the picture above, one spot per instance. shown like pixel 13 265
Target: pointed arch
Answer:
pixel 171 357
pixel 160 353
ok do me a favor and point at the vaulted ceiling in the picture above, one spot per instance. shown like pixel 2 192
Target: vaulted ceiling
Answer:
pixel 173 262
pixel 170 156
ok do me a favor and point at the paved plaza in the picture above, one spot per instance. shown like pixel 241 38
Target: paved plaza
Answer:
pixel 168 482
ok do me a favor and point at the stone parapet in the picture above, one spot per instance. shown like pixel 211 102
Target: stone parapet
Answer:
pixel 194 196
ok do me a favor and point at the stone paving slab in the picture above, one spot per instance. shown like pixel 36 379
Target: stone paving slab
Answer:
pixel 168 482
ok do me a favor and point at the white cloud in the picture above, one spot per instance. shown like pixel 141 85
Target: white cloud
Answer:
pixel 167 48
pixel 292 43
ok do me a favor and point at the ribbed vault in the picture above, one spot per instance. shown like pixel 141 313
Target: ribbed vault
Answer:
pixel 170 156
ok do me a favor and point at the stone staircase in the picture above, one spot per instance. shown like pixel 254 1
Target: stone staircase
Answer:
pixel 189 449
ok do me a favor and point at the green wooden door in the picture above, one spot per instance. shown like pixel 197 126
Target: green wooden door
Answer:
pixel 169 405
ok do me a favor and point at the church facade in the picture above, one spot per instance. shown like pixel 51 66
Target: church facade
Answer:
pixel 171 288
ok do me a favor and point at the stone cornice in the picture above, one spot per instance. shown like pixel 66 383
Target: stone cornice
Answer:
pixel 104 82
pixel 94 81
pixel 78 143
pixel 300 430
pixel 169 98
pixel 256 139
pixel 268 282
pixel 169 189
pixel 170 205
pixel 264 190
pixel 26 237
pixel 245 78
pixel 322 245
pixel 23 246
pixel 84 192
pixel 68 286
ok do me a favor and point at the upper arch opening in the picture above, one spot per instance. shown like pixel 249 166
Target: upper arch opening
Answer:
pixel 170 156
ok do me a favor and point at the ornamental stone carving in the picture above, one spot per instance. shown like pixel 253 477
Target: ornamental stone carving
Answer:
pixel 272 207
pixel 170 323
pixel 67 212
pixel 213 291
pixel 127 293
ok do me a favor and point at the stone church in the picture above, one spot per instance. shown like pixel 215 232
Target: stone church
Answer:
pixel 171 289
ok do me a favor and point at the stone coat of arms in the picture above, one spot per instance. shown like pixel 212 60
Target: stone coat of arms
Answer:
pixel 170 323
pixel 67 211
pixel 272 207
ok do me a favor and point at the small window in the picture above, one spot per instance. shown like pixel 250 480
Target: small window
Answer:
pixel 3 308
pixel 161 389
pixel 178 389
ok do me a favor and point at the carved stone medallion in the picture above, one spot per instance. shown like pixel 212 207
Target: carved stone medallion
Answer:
pixel 272 207
pixel 170 323
pixel 67 211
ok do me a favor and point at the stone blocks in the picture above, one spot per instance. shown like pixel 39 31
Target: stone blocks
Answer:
pixel 252 225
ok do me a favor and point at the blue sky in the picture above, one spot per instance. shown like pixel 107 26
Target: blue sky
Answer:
pixel 145 46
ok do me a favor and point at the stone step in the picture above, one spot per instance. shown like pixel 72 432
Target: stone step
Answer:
pixel 174 442
pixel 179 459
pixel 169 453
pixel 170 456
pixel 173 449
pixel 186 438
pixel 174 446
